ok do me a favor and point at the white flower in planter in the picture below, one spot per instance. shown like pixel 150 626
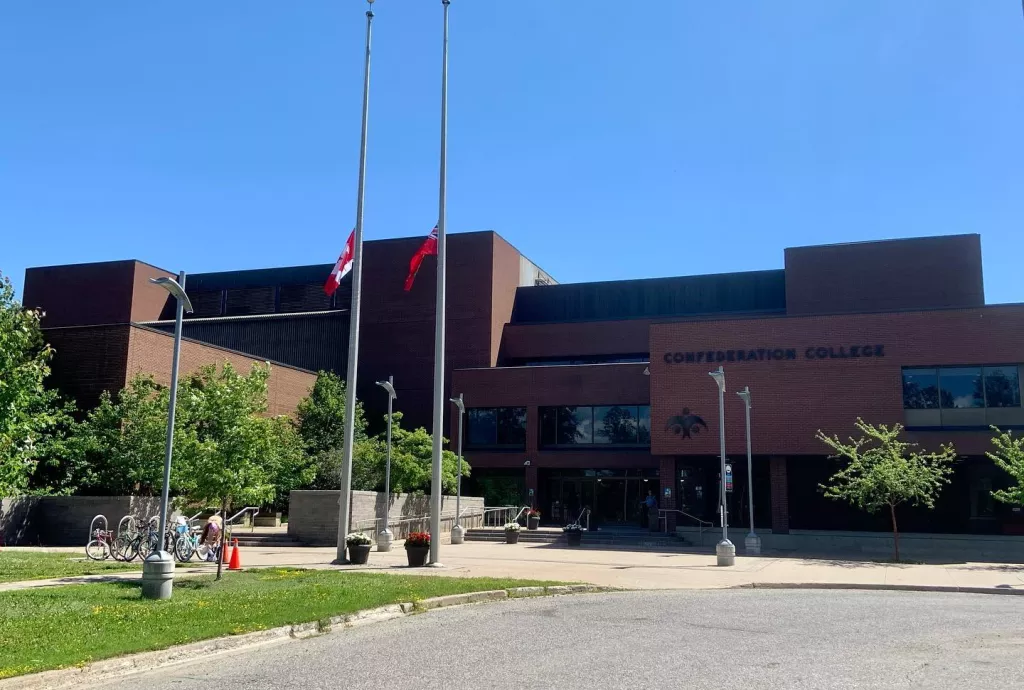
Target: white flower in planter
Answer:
pixel 357 539
pixel 511 526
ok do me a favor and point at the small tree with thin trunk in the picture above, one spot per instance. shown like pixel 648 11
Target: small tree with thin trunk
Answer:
pixel 884 471
pixel 1009 456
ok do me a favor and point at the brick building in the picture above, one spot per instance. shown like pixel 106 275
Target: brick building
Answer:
pixel 594 394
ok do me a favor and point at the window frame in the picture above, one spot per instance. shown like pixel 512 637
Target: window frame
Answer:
pixel 593 443
pixel 497 434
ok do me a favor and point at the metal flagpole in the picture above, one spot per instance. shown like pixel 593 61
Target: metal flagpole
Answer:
pixel 439 396
pixel 353 326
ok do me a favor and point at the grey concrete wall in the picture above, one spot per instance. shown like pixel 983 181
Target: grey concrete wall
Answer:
pixel 17 527
pixel 875 545
pixel 64 520
pixel 313 515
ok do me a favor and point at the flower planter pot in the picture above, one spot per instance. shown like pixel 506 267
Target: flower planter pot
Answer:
pixel 511 537
pixel 417 555
pixel 358 554
pixel 533 522
pixel 574 538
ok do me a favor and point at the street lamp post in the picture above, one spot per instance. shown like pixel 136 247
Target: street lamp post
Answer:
pixel 158 568
pixel 385 537
pixel 752 541
pixel 457 532
pixel 725 550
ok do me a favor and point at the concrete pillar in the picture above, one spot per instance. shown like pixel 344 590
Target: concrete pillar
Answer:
pixel 531 485
pixel 780 494
pixel 667 475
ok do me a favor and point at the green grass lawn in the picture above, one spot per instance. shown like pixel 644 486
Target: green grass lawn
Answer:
pixel 40 565
pixel 55 627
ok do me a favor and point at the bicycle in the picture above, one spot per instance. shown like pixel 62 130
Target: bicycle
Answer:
pixel 188 542
pixel 99 547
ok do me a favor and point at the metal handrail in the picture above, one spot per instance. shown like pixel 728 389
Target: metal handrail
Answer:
pixel 579 519
pixel 243 511
pixel 700 523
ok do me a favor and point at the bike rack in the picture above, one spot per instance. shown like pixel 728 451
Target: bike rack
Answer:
pixel 92 527
pixel 127 525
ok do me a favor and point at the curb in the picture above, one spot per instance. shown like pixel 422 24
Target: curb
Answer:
pixel 108 670
pixel 952 589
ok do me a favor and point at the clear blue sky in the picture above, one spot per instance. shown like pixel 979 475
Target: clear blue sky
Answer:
pixel 603 139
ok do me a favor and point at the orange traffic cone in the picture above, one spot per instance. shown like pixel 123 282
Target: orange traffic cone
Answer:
pixel 225 552
pixel 236 558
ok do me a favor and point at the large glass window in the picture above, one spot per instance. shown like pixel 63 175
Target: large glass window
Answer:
pixel 615 424
pixel 960 387
pixel 496 426
pixel 575 425
pixel 512 426
pixel 1002 387
pixel 623 425
pixel 920 389
pixel 481 427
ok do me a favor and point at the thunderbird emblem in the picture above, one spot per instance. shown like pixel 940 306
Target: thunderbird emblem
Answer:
pixel 687 425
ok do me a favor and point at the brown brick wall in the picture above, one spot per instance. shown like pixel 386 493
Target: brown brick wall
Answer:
pixel 792 399
pixel 535 387
pixel 150 351
pixel 148 300
pixel 397 327
pixel 504 281
pixel 579 339
pixel 82 294
pixel 917 273
pixel 88 360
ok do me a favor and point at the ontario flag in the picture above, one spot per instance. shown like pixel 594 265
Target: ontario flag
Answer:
pixel 343 266
pixel 428 248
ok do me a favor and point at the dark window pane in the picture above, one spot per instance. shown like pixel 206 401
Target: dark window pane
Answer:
pixel 548 426
pixel 644 425
pixel 615 424
pixel 511 426
pixel 1002 387
pixel 482 427
pixel 920 389
pixel 961 387
pixel 575 425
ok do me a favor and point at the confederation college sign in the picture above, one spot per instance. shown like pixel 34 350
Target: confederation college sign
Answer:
pixel 763 354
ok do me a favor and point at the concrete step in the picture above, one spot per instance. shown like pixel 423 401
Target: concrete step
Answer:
pixel 268 540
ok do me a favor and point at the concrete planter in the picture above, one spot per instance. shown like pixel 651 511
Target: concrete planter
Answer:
pixel 268 520
pixel 511 536
pixel 533 522
pixel 574 538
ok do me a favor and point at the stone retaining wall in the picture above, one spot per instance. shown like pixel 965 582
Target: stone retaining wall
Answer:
pixel 313 515
pixel 64 520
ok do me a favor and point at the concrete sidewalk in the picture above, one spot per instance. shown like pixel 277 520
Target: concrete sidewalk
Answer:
pixel 633 569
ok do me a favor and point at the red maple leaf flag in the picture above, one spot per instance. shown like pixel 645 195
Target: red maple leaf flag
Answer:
pixel 428 248
pixel 343 266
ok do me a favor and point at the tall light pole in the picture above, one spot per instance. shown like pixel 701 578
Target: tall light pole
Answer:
pixel 457 532
pixel 442 224
pixel 158 568
pixel 385 537
pixel 725 550
pixel 752 541
pixel 345 496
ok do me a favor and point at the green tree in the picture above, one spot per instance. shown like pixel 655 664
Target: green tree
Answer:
pixel 118 449
pixel 884 471
pixel 1009 456
pixel 321 425
pixel 238 454
pixel 30 414
pixel 411 461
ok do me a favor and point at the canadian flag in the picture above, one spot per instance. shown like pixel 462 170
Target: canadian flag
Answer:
pixel 343 266
pixel 428 248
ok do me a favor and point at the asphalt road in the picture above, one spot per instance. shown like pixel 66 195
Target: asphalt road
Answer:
pixel 679 639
